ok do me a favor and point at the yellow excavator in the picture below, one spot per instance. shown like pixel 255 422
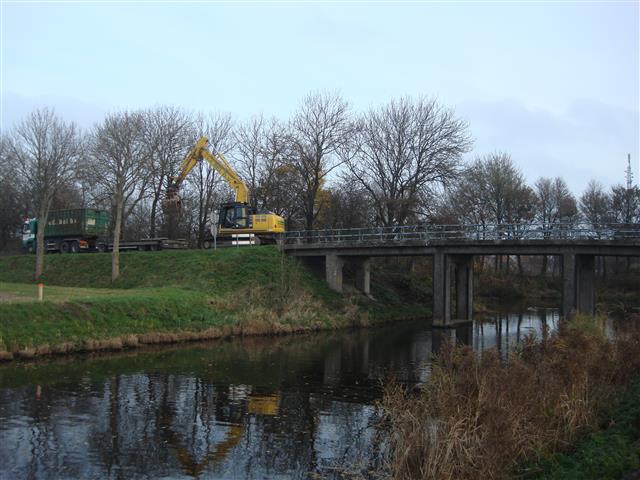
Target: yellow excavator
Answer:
pixel 234 218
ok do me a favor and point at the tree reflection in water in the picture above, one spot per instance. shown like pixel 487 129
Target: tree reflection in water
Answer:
pixel 248 408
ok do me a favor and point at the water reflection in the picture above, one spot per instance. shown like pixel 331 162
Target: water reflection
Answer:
pixel 289 407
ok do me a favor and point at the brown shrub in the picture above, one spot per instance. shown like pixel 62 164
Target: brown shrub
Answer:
pixel 5 356
pixel 43 349
pixel 130 341
pixel 64 347
pixel 479 417
pixel 26 352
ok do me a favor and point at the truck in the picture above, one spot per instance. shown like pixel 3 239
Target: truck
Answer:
pixel 82 230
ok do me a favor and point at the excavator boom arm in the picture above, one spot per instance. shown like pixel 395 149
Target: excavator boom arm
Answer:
pixel 219 164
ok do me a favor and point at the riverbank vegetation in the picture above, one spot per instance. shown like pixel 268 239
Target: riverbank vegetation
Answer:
pixel 171 296
pixel 481 417
pixel 608 453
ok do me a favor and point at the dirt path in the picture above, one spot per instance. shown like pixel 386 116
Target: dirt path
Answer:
pixel 8 297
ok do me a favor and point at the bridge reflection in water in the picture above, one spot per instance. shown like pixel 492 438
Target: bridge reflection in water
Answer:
pixel 250 408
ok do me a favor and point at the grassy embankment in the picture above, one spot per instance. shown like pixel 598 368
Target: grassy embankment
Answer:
pixel 479 417
pixel 175 296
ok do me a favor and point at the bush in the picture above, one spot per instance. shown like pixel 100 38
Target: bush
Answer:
pixel 479 417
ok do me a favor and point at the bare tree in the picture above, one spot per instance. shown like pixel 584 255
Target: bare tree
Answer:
pixel 45 149
pixel 262 150
pixel 625 204
pixel 404 149
pixel 121 167
pixel 500 189
pixel 555 205
pixel 249 139
pixel 11 195
pixel 555 202
pixel 209 190
pixel 347 206
pixel 168 133
pixel 462 201
pixel 493 190
pixel 595 204
pixel 320 131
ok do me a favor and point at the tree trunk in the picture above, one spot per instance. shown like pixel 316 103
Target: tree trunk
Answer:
pixel 519 258
pixel 43 215
pixel 115 254
pixel 154 211
pixel 543 270
pixel 309 216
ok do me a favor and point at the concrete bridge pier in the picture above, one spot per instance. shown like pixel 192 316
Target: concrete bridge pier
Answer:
pixel 578 284
pixel 462 266
pixel 333 266
pixel 333 271
pixel 363 274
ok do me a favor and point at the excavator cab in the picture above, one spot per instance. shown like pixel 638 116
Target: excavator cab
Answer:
pixel 235 215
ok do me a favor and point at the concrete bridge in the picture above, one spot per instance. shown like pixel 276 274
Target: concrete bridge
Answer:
pixel 453 247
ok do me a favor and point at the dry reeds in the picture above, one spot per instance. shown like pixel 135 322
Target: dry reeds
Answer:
pixel 479 417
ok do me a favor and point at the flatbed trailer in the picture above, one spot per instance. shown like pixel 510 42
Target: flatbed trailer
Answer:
pixel 146 244
pixel 85 230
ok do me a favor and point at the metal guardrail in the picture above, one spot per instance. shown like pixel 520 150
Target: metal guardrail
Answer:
pixel 426 233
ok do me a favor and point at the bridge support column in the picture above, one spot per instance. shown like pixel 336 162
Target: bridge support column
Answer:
pixel 568 284
pixel 464 287
pixel 578 284
pixel 333 271
pixel 586 294
pixel 363 274
pixel 441 290
pixel 443 264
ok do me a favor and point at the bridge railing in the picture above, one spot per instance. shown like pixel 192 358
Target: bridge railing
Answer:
pixel 426 233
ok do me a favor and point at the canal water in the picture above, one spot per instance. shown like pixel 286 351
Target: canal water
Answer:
pixel 299 406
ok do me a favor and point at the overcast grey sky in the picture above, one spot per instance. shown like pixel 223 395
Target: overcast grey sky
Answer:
pixel 555 84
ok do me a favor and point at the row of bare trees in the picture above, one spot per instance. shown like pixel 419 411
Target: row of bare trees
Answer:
pixel 493 190
pixel 325 167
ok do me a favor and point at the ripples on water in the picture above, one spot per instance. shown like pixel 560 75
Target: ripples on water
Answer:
pixel 289 407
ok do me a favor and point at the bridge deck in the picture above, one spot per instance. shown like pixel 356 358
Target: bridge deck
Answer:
pixel 467 247
pixel 515 239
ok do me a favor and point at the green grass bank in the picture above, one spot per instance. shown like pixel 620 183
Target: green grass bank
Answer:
pixel 173 296
pixel 609 453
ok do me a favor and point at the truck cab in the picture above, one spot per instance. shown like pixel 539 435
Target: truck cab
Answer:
pixel 29 230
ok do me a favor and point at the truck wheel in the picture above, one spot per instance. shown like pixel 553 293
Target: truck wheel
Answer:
pixel 141 248
pixel 101 247
pixel 31 248
pixel 206 244
pixel 64 247
pixel 74 247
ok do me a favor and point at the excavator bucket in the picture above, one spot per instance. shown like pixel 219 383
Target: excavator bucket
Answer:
pixel 172 202
pixel 172 206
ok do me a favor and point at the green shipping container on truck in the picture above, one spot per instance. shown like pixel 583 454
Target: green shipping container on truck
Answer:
pixel 86 222
pixel 78 225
